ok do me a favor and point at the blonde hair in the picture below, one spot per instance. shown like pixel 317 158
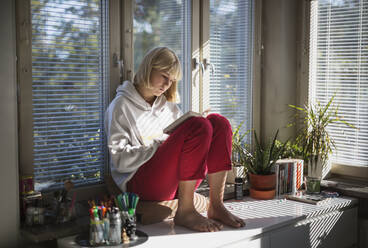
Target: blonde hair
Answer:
pixel 161 59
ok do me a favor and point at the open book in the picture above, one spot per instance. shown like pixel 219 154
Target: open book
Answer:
pixel 170 128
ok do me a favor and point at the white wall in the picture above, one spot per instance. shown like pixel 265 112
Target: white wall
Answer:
pixel 279 70
pixel 9 227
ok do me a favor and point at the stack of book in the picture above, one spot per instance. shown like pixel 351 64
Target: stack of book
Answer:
pixel 289 176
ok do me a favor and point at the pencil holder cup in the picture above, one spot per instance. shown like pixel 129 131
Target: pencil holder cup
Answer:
pixel 96 234
pixel 313 185
pixel 130 224
pixel 115 229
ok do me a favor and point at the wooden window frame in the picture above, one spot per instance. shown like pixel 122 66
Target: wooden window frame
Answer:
pixel 24 84
pixel 345 170
pixel 121 61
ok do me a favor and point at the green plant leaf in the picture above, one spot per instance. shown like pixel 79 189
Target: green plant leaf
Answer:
pixel 298 108
pixel 314 137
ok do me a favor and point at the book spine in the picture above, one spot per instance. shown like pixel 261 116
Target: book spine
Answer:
pixel 288 187
pixel 286 178
pixel 277 179
pixel 294 177
pixel 301 172
pixel 282 175
pixel 298 176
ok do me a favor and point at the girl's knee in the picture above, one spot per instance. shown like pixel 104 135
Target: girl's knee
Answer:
pixel 219 121
pixel 201 124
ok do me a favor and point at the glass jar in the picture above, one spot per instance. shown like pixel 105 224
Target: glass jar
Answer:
pixel 115 228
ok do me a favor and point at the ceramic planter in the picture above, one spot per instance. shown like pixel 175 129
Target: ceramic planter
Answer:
pixel 262 182
pixel 262 194
pixel 262 186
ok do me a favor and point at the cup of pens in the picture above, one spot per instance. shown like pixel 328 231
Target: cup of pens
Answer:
pixel 127 203
pixel 113 222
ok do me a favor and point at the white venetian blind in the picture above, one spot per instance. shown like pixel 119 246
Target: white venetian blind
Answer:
pixel 69 78
pixel 165 23
pixel 231 47
pixel 339 64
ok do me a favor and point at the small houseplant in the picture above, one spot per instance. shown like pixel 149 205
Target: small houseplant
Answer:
pixel 238 151
pixel 237 175
pixel 260 168
pixel 292 149
pixel 315 140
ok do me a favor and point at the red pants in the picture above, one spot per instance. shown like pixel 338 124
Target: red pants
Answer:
pixel 198 146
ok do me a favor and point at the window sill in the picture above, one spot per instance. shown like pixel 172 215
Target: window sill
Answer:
pixel 270 224
pixel 40 234
pixel 349 186
pixel 350 171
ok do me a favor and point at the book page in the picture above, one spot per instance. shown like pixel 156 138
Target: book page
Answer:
pixel 169 129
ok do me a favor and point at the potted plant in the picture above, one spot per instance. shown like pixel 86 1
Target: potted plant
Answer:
pixel 260 168
pixel 237 160
pixel 315 140
pixel 292 149
pixel 238 150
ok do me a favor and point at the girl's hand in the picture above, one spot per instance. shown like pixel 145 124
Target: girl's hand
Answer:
pixel 206 112
pixel 162 138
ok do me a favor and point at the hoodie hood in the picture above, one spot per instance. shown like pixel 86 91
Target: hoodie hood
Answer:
pixel 128 90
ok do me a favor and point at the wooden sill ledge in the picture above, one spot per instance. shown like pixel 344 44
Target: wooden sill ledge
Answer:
pixel 347 186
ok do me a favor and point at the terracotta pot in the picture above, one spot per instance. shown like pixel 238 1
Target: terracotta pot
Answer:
pixel 262 194
pixel 262 182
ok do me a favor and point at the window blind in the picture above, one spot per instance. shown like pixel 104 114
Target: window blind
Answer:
pixel 231 54
pixel 164 23
pixel 69 81
pixel 339 65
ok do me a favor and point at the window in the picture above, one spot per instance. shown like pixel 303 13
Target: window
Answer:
pixel 226 82
pixel 339 65
pixel 68 62
pixel 69 81
pixel 164 23
pixel 230 52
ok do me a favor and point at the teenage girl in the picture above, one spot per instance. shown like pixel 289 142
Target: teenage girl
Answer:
pixel 161 167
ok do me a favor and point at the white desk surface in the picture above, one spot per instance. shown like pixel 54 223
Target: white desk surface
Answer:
pixel 260 217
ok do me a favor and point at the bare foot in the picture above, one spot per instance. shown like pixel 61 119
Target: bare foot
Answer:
pixel 195 221
pixel 220 213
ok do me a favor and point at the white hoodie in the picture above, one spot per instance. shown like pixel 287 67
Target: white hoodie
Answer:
pixel 134 130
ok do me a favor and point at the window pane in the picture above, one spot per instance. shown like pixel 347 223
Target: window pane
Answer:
pixel 339 64
pixel 69 76
pixel 164 23
pixel 231 52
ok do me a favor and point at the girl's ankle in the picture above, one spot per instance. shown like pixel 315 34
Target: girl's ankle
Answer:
pixel 183 210
pixel 216 204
